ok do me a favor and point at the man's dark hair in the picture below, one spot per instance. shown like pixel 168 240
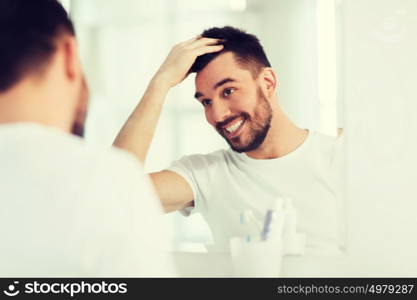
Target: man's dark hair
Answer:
pixel 246 48
pixel 28 31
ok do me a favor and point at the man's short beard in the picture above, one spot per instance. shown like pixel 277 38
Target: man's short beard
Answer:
pixel 78 125
pixel 78 129
pixel 257 135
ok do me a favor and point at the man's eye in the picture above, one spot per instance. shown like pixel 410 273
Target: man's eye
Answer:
pixel 228 92
pixel 206 102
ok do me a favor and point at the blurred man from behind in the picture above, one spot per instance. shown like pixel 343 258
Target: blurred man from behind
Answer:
pixel 68 208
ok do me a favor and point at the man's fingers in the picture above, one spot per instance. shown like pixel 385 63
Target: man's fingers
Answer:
pixel 207 49
pixel 204 42
pixel 195 38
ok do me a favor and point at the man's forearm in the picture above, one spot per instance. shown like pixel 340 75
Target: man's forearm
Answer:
pixel 137 133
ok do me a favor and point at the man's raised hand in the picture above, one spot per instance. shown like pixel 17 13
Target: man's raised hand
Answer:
pixel 182 56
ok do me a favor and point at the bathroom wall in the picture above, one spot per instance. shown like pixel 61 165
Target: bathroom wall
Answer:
pixel 378 79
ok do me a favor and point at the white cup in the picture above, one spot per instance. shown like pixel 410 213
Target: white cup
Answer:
pixel 257 258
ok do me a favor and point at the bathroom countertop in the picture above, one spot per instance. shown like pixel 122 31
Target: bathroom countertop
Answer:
pixel 199 264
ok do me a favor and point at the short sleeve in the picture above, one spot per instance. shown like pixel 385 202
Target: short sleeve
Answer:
pixel 184 168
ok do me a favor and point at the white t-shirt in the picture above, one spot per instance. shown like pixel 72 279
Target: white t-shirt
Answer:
pixel 226 183
pixel 70 209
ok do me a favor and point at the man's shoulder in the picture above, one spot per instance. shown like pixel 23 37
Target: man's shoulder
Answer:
pixel 99 155
pixel 323 142
pixel 54 148
pixel 201 162
pixel 107 160
pixel 329 147
pixel 218 156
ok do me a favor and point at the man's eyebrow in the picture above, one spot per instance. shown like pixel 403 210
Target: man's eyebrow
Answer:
pixel 223 81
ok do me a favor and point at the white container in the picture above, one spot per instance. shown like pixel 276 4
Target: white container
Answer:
pixel 256 258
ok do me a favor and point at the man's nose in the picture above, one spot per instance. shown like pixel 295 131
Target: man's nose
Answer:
pixel 220 111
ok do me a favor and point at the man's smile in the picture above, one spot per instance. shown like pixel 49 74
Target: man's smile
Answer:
pixel 233 128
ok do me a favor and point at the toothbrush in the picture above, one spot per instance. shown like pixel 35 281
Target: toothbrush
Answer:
pixel 249 217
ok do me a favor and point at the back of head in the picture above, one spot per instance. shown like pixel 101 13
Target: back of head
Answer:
pixel 246 48
pixel 28 31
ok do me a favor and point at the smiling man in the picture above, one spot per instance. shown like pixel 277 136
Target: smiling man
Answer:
pixel 243 131
pixel 269 156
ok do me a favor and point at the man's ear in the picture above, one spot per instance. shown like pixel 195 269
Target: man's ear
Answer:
pixel 71 60
pixel 268 81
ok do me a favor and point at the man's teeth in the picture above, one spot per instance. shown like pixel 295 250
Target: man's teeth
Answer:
pixel 234 127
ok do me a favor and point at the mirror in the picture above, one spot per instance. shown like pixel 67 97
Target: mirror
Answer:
pixel 123 44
